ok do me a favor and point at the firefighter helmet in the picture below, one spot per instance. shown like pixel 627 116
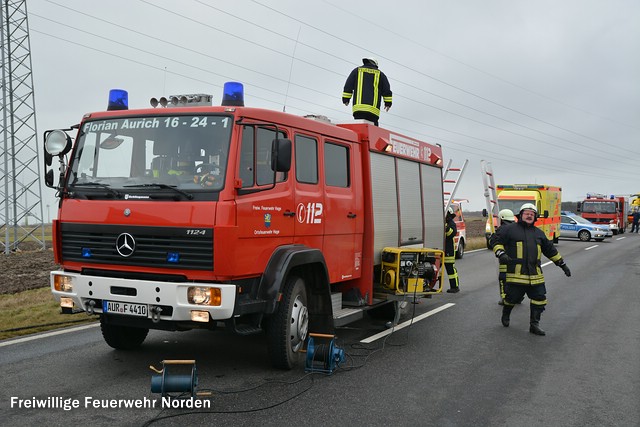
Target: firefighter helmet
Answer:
pixel 369 60
pixel 528 206
pixel 506 215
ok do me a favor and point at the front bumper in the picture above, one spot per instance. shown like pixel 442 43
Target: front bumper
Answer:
pixel 89 292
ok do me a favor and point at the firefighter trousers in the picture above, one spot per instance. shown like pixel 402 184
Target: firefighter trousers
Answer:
pixel 514 294
pixel 452 272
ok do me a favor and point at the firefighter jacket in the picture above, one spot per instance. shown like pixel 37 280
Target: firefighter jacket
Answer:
pixel 368 85
pixel 493 239
pixel 450 231
pixel 524 244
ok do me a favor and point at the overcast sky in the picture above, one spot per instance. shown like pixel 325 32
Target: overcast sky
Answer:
pixel 548 91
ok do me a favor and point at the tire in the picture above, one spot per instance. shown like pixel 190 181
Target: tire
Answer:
pixel 122 337
pixel 460 251
pixel 289 326
pixel 584 235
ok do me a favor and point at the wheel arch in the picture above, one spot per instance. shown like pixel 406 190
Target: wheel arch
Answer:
pixel 309 264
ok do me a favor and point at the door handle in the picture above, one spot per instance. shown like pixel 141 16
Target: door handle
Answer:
pixel 289 213
pixel 351 215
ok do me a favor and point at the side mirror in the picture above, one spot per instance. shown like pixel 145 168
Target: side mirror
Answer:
pixel 48 178
pixel 485 213
pixel 281 155
pixel 545 214
pixel 579 207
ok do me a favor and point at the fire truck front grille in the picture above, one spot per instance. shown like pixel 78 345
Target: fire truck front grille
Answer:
pixel 164 247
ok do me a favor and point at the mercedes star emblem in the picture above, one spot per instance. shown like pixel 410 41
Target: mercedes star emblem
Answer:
pixel 125 244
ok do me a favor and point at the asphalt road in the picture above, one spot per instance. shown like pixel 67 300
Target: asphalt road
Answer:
pixel 457 367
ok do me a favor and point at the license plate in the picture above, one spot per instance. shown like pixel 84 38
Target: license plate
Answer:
pixel 124 308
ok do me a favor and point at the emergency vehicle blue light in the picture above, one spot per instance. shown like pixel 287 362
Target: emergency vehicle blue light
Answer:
pixel 86 253
pixel 233 94
pixel 118 100
pixel 173 257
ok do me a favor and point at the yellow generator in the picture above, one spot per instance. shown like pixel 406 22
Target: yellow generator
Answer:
pixel 411 270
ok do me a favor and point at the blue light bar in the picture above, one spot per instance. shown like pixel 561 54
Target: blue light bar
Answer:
pixel 118 100
pixel 173 257
pixel 86 253
pixel 233 94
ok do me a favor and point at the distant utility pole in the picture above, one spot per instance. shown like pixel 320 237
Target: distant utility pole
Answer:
pixel 20 191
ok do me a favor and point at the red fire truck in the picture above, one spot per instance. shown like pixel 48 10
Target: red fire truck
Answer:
pixel 189 215
pixel 610 211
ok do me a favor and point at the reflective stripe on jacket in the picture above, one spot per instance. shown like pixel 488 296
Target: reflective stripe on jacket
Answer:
pixel 368 86
pixel 525 244
pixel 450 231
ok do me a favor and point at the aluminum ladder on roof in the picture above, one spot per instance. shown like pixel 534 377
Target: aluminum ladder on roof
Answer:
pixel 490 194
pixel 450 180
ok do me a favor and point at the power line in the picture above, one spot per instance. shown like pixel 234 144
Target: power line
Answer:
pixel 272 91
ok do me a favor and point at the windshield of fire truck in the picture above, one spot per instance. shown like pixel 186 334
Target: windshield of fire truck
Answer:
pixel 599 207
pixel 186 152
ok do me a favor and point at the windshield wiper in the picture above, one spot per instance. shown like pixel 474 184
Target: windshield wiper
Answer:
pixel 115 193
pixel 163 186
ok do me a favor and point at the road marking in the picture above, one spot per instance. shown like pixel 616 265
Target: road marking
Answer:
pixel 620 238
pixel 546 263
pixel 590 247
pixel 48 334
pixel 407 323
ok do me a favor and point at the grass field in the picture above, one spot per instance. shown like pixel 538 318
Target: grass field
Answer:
pixel 34 311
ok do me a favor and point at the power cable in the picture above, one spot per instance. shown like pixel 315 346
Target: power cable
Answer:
pixel 424 74
pixel 486 73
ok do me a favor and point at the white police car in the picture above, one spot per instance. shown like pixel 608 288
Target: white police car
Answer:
pixel 572 225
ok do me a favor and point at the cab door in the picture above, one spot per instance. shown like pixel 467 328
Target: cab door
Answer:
pixel 310 215
pixel 265 211
pixel 343 229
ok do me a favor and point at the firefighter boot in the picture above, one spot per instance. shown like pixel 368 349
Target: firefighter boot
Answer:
pixel 534 327
pixel 506 312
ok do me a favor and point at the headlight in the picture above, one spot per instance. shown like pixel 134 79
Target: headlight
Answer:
pixel 201 295
pixel 62 283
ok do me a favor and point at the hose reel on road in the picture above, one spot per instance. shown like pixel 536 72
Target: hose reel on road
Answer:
pixel 323 356
pixel 166 380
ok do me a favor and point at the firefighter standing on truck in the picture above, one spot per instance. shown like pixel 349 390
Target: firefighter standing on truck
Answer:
pixel 518 246
pixel 450 231
pixel 368 86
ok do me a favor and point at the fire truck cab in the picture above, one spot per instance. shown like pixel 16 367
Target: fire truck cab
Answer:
pixel 608 211
pixel 188 215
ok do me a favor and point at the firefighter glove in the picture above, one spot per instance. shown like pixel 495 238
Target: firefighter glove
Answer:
pixel 503 257
pixel 565 268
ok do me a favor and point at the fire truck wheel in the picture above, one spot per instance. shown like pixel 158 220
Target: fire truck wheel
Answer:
pixel 584 235
pixel 460 250
pixel 122 337
pixel 289 325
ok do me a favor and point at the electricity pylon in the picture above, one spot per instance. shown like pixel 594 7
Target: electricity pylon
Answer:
pixel 20 192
